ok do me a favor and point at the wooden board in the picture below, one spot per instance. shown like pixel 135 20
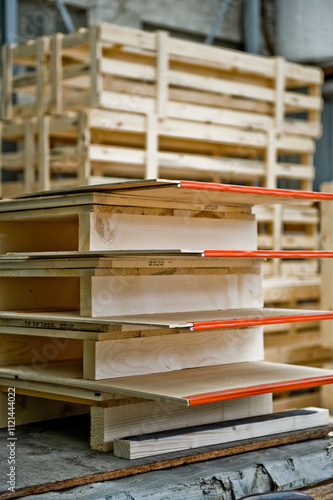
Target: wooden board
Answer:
pixel 70 324
pixel 165 353
pixel 187 387
pixel 194 191
pixel 130 292
pixel 103 258
pixel 176 293
pixel 109 423
pixel 266 425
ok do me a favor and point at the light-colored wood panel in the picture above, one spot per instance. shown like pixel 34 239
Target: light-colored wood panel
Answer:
pixel 155 444
pixel 108 424
pixel 122 232
pixel 119 358
pixel 173 191
pixel 129 295
pixel 186 387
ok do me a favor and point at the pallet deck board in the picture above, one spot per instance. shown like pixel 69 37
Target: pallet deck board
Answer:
pixel 102 256
pixel 187 387
pixel 190 191
pixel 53 322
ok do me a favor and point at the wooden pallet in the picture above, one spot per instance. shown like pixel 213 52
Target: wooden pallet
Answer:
pixel 104 64
pixel 108 362
pixel 86 147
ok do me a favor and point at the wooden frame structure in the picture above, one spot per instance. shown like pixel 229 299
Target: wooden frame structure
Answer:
pixel 127 363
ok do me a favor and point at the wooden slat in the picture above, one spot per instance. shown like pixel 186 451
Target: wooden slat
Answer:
pixel 56 73
pixel 164 442
pixel 41 75
pixel 29 156
pixel 43 153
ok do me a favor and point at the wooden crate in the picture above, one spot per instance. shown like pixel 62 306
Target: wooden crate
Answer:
pixel 123 68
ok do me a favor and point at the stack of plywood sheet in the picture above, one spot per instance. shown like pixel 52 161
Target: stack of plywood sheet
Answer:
pixel 143 300
pixel 112 102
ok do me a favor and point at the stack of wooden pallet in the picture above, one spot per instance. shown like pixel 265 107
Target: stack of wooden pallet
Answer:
pixel 112 102
pixel 102 306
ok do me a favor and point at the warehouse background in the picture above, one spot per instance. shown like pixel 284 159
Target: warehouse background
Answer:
pixel 299 30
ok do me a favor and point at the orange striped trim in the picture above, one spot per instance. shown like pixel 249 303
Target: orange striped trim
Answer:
pixel 271 320
pixel 241 392
pixel 290 193
pixel 269 253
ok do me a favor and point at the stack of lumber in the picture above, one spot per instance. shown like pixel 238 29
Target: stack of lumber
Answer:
pixel 112 103
pixel 143 301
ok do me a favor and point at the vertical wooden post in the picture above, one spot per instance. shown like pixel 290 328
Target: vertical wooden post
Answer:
pixel 162 74
pixel 56 74
pixel 29 156
pixel 314 114
pixel 271 182
pixel 280 85
pixel 326 394
pixel 95 65
pixel 44 169
pixel 41 75
pixel 7 82
pixel 83 148
pixel 307 159
pixel 270 159
pixel 327 265
pixel 151 146
pixel 277 233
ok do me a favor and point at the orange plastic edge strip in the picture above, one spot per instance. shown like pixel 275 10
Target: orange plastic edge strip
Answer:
pixel 271 320
pixel 256 190
pixel 210 397
pixel 268 253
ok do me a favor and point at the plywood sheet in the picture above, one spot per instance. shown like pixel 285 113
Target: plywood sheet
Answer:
pixel 189 387
pixel 193 191
pixel 72 322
